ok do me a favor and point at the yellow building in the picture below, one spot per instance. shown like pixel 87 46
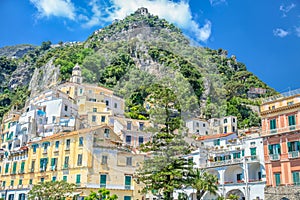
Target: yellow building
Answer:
pixel 91 158
pixel 95 103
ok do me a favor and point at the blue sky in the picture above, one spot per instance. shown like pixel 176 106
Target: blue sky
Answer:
pixel 265 35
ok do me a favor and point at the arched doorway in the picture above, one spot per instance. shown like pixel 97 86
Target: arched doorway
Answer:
pixel 236 192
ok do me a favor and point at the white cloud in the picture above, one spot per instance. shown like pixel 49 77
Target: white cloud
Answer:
pixel 217 2
pixel 297 29
pixel 178 13
pixel 96 17
pixel 280 32
pixel 286 8
pixel 58 8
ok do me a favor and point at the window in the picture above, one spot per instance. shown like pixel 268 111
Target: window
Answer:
pixel 252 143
pixel 106 133
pixel 274 149
pixel 22 167
pixel 197 124
pixel 225 121
pixel 78 179
pixel 203 125
pixel 239 177
pixel 54 178
pixel 20 181
pixel 233 120
pixel 56 144
pixel 217 142
pixel 53 119
pixel 277 179
pixel 30 181
pixel 80 141
pixel 43 164
pixel 34 147
pixel 292 122
pixel 104 160
pixel 293 146
pixel 225 129
pixel 107 103
pixel 66 163
pixel 94 109
pixel 103 180
pixel 127 182
pixel 141 140
pixel 79 159
pixel 236 155
pixel 94 118
pixel 6 168
pixel 129 161
pixel 42 180
pixel 68 142
pixel 290 103
pixel 11 197
pixel 141 126
pixel 115 105
pixel 12 182
pixel 127 197
pixel 273 124
pixel 80 90
pixel 90 91
pixel 14 168
pixel 66 108
pixel 128 139
pixel 296 179
pixel 3 183
pixel 233 128
pixel 253 151
pixel 32 166
pixel 53 163
pixel 65 178
pixel 129 126
pixel 103 118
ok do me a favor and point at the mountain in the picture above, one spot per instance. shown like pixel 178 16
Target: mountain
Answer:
pixel 132 55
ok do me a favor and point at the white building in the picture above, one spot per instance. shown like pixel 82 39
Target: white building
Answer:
pixel 197 126
pixel 226 124
pixel 238 164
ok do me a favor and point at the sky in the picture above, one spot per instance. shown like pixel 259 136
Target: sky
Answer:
pixel 263 34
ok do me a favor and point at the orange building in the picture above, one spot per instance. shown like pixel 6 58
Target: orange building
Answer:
pixel 281 136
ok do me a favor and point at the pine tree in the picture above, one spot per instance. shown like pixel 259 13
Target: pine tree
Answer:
pixel 166 169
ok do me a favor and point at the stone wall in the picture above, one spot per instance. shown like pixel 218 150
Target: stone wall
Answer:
pixel 282 192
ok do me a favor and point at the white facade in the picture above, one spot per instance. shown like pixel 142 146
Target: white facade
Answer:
pixel 197 126
pixel 226 124
pixel 239 167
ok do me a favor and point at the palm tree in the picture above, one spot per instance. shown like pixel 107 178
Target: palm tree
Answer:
pixel 202 182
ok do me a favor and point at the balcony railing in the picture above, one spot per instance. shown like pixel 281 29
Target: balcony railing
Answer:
pixel 274 157
pixel 294 154
pixel 225 162
pixel 281 130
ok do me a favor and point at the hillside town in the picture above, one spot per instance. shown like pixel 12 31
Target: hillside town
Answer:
pixel 78 133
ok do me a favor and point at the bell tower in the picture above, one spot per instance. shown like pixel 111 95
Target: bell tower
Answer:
pixel 76 75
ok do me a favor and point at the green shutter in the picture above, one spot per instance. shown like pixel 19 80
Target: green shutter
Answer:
pixel 14 167
pixel 296 178
pixel 127 197
pixel 243 152
pixel 298 146
pixel 65 178
pixel 253 151
pixel 234 155
pixel 6 168
pixel 270 149
pixel 277 179
pixel 77 178
pixel 289 146
pixel 52 162
pixel 22 166
pixel 273 124
pixel 127 180
pixel 292 120
pixel 279 149
pixel 102 180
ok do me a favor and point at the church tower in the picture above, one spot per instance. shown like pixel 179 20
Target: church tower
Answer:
pixel 76 75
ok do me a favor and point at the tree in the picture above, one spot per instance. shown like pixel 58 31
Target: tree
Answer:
pixel 203 182
pixel 46 45
pixel 233 197
pixel 166 169
pixel 103 194
pixel 55 190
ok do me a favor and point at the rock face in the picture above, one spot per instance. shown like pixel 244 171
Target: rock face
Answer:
pixel 44 78
pixel 17 51
pixel 21 76
pixel 282 193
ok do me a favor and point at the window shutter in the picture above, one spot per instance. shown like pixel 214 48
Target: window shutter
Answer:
pixel 289 146
pixel 270 149
pixel 127 180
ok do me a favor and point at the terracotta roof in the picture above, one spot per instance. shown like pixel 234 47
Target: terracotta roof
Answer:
pixel 68 134
pixel 207 137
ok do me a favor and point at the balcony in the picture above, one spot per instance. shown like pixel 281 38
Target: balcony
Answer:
pixel 225 162
pixel 274 157
pixel 281 130
pixel 110 186
pixel 294 154
pixel 253 158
